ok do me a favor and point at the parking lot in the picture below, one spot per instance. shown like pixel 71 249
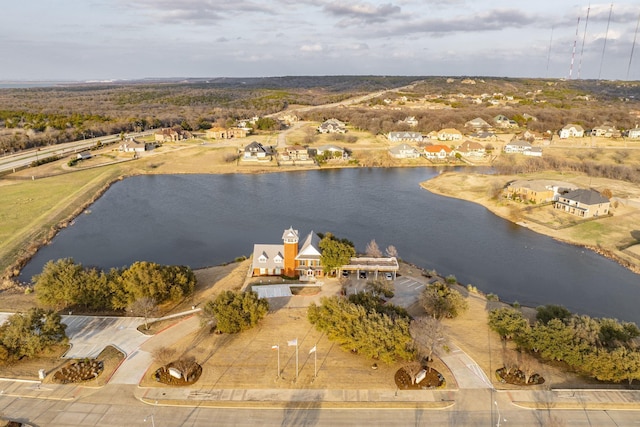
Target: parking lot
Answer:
pixel 406 289
pixel 89 335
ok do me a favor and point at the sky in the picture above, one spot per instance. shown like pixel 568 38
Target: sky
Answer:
pixel 134 39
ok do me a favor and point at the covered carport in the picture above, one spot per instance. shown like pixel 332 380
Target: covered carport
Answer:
pixel 373 265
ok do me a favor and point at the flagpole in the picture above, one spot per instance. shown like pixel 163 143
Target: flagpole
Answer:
pixel 315 364
pixel 296 359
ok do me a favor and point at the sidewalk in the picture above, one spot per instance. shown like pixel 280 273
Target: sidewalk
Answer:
pixel 304 398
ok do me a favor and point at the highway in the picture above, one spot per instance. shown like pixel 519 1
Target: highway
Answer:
pixel 25 158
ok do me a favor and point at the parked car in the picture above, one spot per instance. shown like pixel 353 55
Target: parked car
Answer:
pixel 345 273
pixel 388 276
pixel 363 274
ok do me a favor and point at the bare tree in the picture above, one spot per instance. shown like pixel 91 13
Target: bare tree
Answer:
pixel 428 334
pixel 413 369
pixel 145 307
pixel 528 366
pixel 372 249
pixel 391 251
pixel 164 355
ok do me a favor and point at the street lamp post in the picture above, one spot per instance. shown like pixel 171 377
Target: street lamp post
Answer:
pixel 498 408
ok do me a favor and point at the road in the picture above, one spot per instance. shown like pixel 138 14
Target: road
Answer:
pixel 115 405
pixel 25 158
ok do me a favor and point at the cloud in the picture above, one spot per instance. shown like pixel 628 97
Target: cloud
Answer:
pixel 361 13
pixel 196 11
pixel 316 47
pixel 492 20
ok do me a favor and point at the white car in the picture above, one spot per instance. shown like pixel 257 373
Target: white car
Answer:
pixel 388 276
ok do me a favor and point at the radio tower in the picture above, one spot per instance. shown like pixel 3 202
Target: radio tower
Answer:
pixel 604 46
pixel 633 46
pixel 573 54
pixel 584 37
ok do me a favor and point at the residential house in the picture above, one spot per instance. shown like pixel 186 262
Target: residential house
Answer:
pixel 84 155
pixel 517 146
pixel 332 151
pixel 533 152
pixel 288 118
pixel 332 126
pixel 296 152
pixel 133 146
pixel 477 123
pixel 404 151
pixel 449 134
pixel 606 132
pixel 223 133
pixel 528 117
pixel 484 135
pixel 171 135
pixel 405 136
pixel 571 131
pixel 437 152
pixel 634 133
pixel 410 121
pixel 583 203
pixel 504 122
pixel 289 258
pixel 537 191
pixel 470 149
pixel 257 151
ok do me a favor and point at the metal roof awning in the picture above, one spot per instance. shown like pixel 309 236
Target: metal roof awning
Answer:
pixel 272 291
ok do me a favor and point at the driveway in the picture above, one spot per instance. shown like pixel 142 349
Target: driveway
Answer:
pixel 89 335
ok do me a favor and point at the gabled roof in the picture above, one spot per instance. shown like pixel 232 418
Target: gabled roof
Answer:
pixel 290 234
pixel 586 196
pixel 437 149
pixel 310 247
pixel 402 148
pixel 405 135
pixel 470 146
pixel 576 127
pixel 265 256
pixel 519 143
pixel 477 122
pixel 450 131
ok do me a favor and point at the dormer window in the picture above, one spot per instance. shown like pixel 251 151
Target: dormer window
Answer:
pixel 278 259
pixel 263 258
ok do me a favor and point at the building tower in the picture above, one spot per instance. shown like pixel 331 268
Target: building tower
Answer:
pixel 290 239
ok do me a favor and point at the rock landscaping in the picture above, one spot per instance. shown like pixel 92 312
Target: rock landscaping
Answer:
pixel 81 371
pixel 517 377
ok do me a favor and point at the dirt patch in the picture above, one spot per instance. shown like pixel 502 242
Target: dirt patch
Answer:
pixel 27 368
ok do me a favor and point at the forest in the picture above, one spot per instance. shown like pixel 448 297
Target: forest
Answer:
pixel 37 117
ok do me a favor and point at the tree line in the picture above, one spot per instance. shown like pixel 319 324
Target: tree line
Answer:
pixel 601 348
pixel 64 284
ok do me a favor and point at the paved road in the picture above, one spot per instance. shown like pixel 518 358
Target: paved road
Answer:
pixel 25 158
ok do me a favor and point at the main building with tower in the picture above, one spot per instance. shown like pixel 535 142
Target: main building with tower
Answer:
pixel 291 258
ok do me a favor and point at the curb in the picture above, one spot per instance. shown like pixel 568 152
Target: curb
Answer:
pixel 255 404
pixel 572 406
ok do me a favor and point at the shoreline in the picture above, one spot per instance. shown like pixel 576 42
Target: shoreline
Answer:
pixel 10 272
pixel 606 253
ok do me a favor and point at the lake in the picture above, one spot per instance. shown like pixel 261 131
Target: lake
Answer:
pixel 206 220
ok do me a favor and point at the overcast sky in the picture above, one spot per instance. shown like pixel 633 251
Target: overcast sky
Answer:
pixel 130 39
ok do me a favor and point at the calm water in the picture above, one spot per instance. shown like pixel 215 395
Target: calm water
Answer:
pixel 205 220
